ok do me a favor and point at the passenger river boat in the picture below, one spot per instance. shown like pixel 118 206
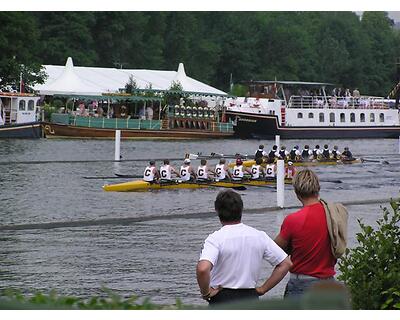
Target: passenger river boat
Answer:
pixel 19 115
pixel 134 117
pixel 304 110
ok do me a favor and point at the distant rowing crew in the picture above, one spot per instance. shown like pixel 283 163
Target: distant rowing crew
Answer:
pixel 304 155
pixel 220 173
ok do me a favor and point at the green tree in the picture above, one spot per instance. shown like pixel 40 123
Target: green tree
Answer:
pixel 380 71
pixel 67 34
pixel 118 38
pixel 19 46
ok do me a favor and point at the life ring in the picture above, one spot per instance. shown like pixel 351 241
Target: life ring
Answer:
pixel 48 129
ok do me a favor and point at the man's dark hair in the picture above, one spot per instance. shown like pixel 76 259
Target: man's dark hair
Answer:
pixel 203 162
pixel 166 161
pixel 259 161
pixel 229 206
pixel 152 162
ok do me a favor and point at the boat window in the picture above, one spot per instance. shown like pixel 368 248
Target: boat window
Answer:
pixel 31 105
pixel 22 105
pixel 331 117
pixel 381 117
pixel 321 117
pixel 352 117
pixel 311 115
pixel 362 117
pixel 372 117
pixel 299 115
pixel 342 117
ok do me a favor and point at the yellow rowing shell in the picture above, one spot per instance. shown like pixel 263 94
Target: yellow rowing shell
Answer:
pixel 140 185
pixel 249 163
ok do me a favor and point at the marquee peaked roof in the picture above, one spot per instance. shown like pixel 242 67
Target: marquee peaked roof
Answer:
pixel 69 83
pixel 73 80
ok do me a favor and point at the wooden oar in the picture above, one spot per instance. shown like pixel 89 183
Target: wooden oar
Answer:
pixel 129 176
pixel 239 188
pixel 375 161
pixel 213 155
pixel 331 181
pixel 116 176
pixel 99 177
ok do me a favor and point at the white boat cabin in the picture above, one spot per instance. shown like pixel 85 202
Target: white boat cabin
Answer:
pixel 17 108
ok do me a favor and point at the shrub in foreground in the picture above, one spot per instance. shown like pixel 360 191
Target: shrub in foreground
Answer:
pixel 372 269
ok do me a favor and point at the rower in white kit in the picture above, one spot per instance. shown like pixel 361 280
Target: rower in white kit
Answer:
pixel 222 172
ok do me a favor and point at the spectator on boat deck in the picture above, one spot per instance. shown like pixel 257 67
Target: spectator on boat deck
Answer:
pixel 142 113
pixel 82 110
pixel 99 111
pixel 306 237
pixel 347 155
pixel 149 113
pixel 166 171
pixel 122 112
pixel 231 259
pixel 110 112
pixel 347 93
pixel 356 94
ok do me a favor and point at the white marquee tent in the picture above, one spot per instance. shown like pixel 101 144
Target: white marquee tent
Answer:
pixel 72 80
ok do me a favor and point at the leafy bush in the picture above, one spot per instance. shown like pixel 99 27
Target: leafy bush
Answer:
pixel 14 299
pixel 372 269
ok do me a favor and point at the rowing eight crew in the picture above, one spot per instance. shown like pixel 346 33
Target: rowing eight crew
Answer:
pixel 305 155
pixel 220 173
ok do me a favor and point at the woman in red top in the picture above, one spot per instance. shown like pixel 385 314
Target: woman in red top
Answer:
pixel 304 235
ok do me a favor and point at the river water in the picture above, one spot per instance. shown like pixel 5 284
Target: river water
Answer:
pixel 155 253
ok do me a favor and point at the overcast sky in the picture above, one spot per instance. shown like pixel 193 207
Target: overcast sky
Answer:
pixel 395 15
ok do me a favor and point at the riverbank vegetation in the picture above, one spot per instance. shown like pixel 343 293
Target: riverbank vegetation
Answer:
pixel 15 299
pixel 371 269
pixel 335 47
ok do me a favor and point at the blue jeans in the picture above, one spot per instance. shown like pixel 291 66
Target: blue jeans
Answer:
pixel 296 287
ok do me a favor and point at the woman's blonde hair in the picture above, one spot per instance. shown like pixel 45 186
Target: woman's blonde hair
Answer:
pixel 306 184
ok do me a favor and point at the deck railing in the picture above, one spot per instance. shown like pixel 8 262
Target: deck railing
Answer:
pixel 119 123
pixel 338 102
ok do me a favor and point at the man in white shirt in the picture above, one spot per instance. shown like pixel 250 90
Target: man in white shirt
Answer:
pixel 231 260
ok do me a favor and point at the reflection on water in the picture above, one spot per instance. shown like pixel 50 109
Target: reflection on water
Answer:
pixel 153 258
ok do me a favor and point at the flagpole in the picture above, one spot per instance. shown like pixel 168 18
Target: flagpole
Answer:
pixel 20 82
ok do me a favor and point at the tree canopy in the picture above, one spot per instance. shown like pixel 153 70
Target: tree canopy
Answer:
pixel 335 47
